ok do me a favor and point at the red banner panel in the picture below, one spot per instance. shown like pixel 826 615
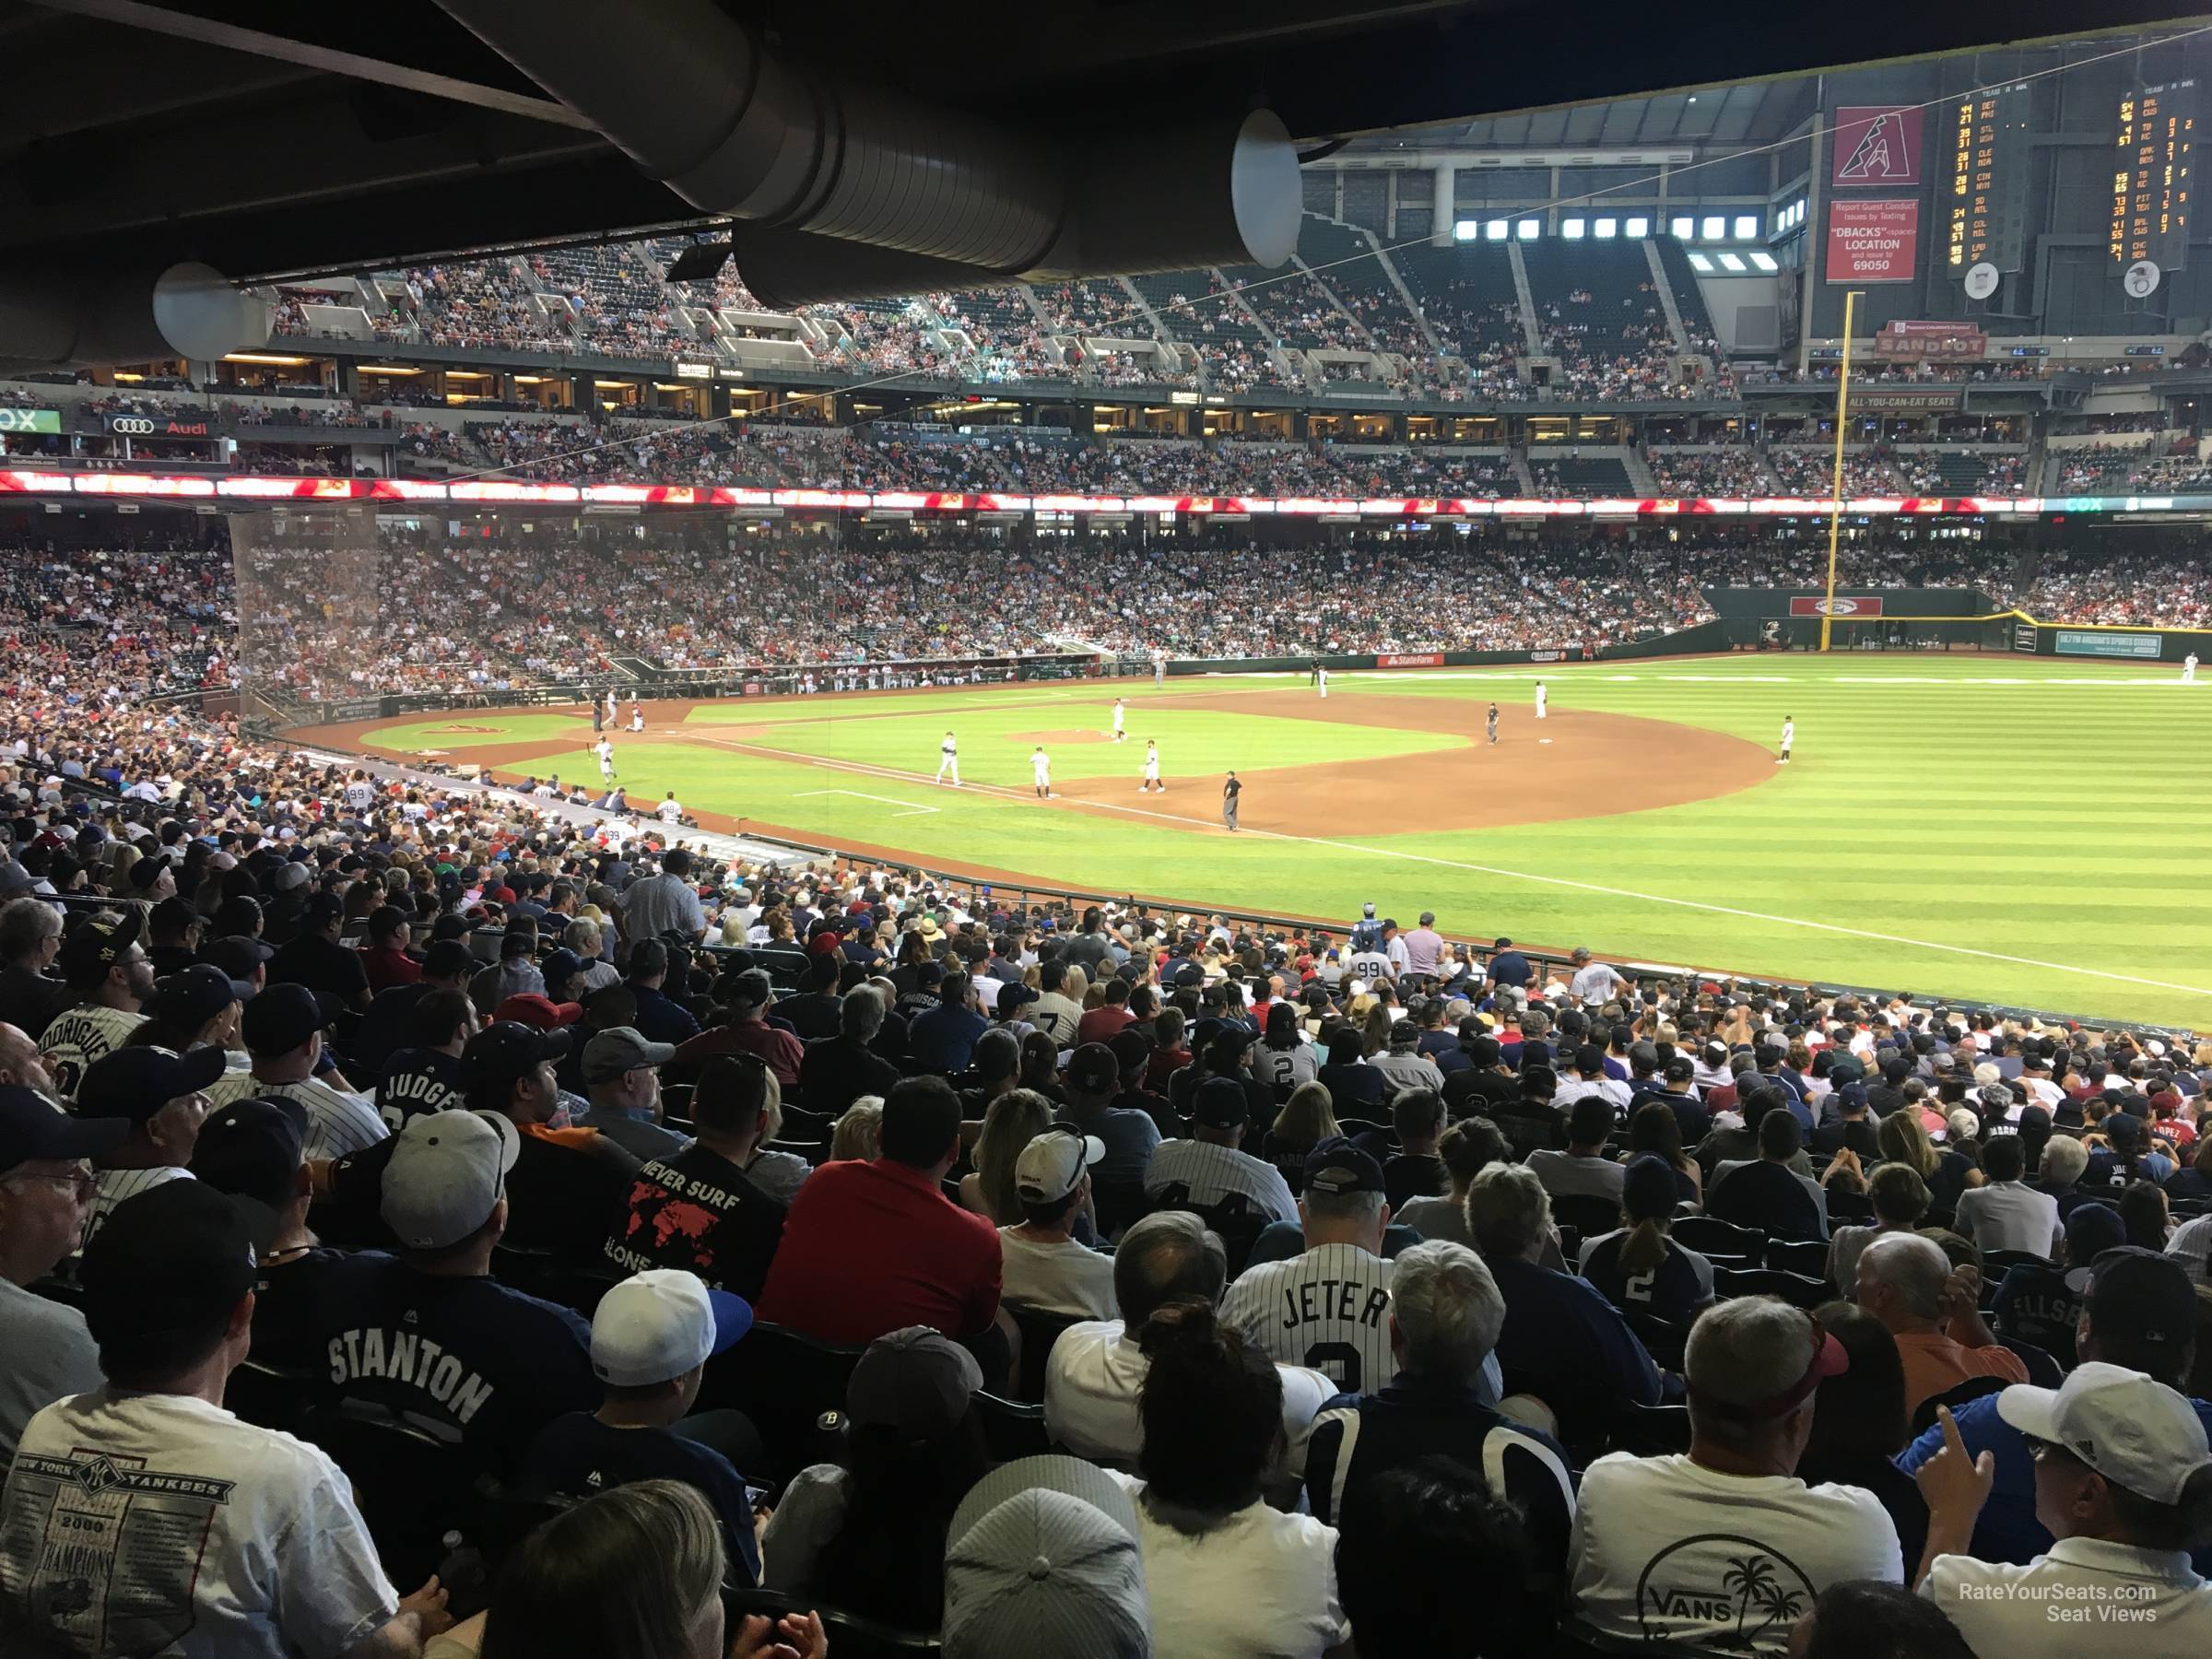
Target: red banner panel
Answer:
pixel 1875 240
pixel 1812 604
pixel 1875 145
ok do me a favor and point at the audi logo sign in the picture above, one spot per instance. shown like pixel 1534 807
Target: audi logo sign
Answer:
pixel 136 426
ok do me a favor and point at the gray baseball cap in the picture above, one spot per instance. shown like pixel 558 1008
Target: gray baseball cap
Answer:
pixel 1042 1563
pixel 445 1175
pixel 620 1049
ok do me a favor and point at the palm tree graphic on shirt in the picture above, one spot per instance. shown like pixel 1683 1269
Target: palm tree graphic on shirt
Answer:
pixel 1751 1580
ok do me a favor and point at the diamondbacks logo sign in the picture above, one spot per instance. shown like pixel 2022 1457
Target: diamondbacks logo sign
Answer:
pixel 1876 144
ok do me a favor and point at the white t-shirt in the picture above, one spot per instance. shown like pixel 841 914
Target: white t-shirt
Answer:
pixel 158 1523
pixel 1666 1551
pixel 2010 1215
pixel 1091 1379
pixel 1067 1277
pixel 1258 1584
pixel 2082 1596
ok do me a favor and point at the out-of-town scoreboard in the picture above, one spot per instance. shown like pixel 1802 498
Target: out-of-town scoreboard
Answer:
pixel 1984 189
pixel 2153 161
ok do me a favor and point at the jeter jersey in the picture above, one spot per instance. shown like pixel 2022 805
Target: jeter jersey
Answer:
pixel 1327 1309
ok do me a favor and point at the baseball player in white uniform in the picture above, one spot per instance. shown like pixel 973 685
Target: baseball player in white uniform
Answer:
pixel 637 717
pixel 948 760
pixel 1320 681
pixel 605 752
pixel 670 810
pixel 1159 671
pixel 1789 736
pixel 1041 772
pixel 2189 669
pixel 1539 700
pixel 1328 1308
pixel 610 705
pixel 1119 735
pixel 1151 767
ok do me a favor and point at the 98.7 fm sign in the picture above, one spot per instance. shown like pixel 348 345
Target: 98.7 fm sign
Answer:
pixel 30 420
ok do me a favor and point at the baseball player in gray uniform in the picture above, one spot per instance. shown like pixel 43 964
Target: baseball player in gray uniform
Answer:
pixel 1329 1308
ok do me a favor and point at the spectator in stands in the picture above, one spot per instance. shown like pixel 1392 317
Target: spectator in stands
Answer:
pixel 745 1031
pixel 1045 1266
pixel 1414 1170
pixel 1768 1192
pixel 2007 1213
pixel 108 979
pixel 2140 1313
pixel 665 902
pixel 1907 1282
pixel 46 1191
pixel 869 1532
pixel 1096 1371
pixel 255 1152
pixel 1861 1425
pixel 385 957
pixel 943 1039
pixel 162 1096
pixel 1861 1619
pixel 1559 1332
pixel 425 1074
pixel 429 1331
pixel 651 1337
pixel 1641 1269
pixel 30 937
pixel 446 966
pixel 873 1247
pixel 1582 1170
pixel 1468 1148
pixel 283 1027
pixel 317 960
pixel 1344 1333
pixel 1899 1198
pixel 1730 1517
pixel 1412 1536
pixel 1041 1558
pixel 1225 1574
pixel 660 1017
pixel 1208 1169
pixel 816 1013
pixel 1445 1314
pixel 169 1298
pixel 1904 1139
pixel 2039 1302
pixel 571 1185
pixel 2123 1478
pixel 622 1075
pixel 838 1070
pixel 700 1209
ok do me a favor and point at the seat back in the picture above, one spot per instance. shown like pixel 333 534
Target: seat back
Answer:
pixel 2043 1369
pixel 269 1396
pixel 1807 1256
pixel 1663 1339
pixel 1800 1291
pixel 407 1484
pixel 1651 1431
pixel 1590 1216
pixel 784 1380
pixel 1011 1428
pixel 1710 1236
pixel 1973 1388
pixel 1040 1329
pixel 1853 1209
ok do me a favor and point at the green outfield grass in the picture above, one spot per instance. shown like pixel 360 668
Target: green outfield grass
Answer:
pixel 2012 829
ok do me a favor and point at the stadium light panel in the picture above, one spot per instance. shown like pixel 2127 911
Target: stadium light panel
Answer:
pixel 1682 227
pixel 1764 262
pixel 1466 230
pixel 1697 262
pixel 1730 262
pixel 1571 228
pixel 1604 228
pixel 1495 230
pixel 1638 227
pixel 1747 227
pixel 1529 230
pixel 1716 228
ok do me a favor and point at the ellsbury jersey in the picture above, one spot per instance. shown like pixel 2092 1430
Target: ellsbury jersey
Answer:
pixel 77 1037
pixel 1327 1309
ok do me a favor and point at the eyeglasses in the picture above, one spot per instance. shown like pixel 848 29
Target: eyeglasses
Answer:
pixel 83 1182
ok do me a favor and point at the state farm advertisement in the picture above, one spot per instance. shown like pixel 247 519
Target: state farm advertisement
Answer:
pixel 1876 240
pixel 1427 659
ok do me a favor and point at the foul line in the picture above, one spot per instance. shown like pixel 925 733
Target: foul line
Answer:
pixel 865 769
pixel 915 808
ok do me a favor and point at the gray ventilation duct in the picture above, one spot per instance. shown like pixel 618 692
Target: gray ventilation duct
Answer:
pixel 188 311
pixel 838 187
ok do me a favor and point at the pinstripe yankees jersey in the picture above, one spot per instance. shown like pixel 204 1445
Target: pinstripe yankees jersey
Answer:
pixel 115 1185
pixel 1328 1309
pixel 76 1037
pixel 1211 1173
pixel 336 1123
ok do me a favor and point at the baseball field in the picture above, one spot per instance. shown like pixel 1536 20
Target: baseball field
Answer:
pixel 2012 829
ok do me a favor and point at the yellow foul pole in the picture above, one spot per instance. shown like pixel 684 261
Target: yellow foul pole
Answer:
pixel 1835 511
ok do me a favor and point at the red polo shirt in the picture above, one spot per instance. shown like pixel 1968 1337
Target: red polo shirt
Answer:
pixel 1103 1023
pixel 870 1247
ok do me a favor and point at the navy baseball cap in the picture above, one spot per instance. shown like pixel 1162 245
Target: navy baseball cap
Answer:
pixel 507 1049
pixel 1336 1168
pixel 1218 1103
pixel 1093 1069
pixel 134 1083
pixel 251 1149
pixel 237 954
pixel 31 1127
pixel 195 995
pixel 170 1260
pixel 281 1019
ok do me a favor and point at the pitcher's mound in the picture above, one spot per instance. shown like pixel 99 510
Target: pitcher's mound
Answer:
pixel 1051 739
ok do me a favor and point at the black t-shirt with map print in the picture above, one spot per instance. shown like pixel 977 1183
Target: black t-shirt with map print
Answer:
pixel 698 1211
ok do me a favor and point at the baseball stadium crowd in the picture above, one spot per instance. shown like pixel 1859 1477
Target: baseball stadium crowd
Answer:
pixel 489 1228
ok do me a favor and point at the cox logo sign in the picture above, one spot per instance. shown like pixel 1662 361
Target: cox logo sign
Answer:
pixel 134 425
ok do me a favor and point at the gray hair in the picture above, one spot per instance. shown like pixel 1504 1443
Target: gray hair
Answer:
pixel 1364 1208
pixel 1914 1267
pixel 582 936
pixel 1742 1352
pixel 1163 1255
pixel 1509 1213
pixel 1448 1308
pixel 25 924
pixel 2064 1159
pixel 860 1013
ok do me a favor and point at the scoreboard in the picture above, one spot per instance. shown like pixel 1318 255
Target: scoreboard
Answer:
pixel 1984 189
pixel 2153 161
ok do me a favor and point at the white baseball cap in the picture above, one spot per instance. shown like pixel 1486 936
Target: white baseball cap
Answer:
pixel 1049 1167
pixel 657 1325
pixel 445 1175
pixel 2135 1432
